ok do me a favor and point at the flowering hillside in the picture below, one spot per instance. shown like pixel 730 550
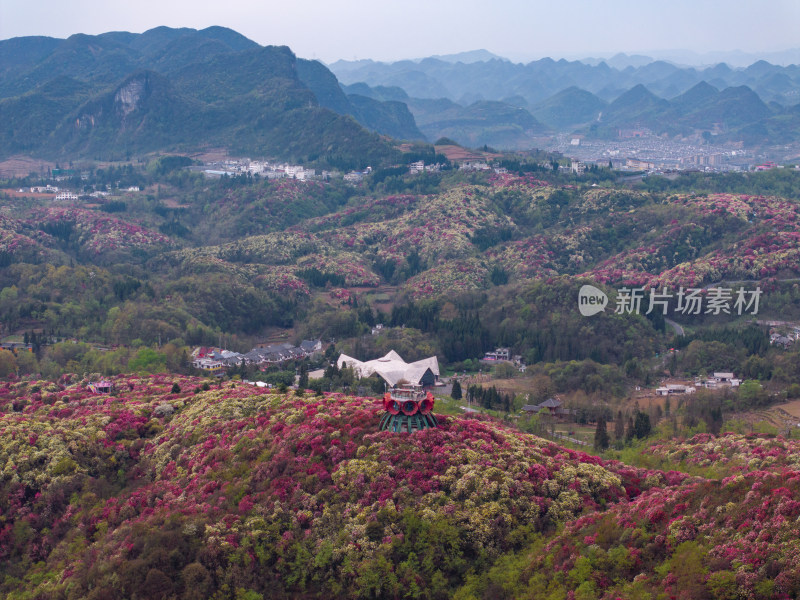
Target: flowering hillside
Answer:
pixel 198 492
pixel 754 237
pixel 231 491
pixel 732 454
pixel 734 537
pixel 99 234
pixel 470 237
pixel 437 227
pixel 449 277
pixel 20 242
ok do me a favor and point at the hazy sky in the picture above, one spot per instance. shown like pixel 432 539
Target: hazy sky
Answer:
pixel 394 29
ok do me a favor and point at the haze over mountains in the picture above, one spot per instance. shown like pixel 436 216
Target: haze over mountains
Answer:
pixel 480 75
pixel 118 94
pixel 756 105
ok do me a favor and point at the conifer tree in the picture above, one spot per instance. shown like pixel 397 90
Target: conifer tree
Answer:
pixel 642 425
pixel 601 440
pixel 303 382
pixel 619 426
pixel 630 431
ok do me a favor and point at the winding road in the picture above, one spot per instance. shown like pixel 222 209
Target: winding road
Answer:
pixel 678 328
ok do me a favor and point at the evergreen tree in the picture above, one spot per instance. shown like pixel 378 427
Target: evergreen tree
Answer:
pixel 332 371
pixel 486 398
pixel 642 426
pixel 629 431
pixel 619 426
pixel 303 382
pixel 455 394
pixel 185 364
pixel 601 440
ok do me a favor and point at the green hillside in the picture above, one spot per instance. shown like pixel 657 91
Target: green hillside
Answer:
pixel 117 95
pixel 569 108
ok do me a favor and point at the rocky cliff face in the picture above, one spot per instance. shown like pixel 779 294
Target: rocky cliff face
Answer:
pixel 128 96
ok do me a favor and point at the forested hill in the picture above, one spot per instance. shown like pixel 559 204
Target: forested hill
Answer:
pixel 120 94
pixel 468 260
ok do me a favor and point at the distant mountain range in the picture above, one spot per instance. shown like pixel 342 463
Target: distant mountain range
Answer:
pixel 735 58
pixel 503 104
pixel 495 78
pixel 119 93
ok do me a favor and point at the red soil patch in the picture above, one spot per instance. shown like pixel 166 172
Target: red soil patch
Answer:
pixel 459 153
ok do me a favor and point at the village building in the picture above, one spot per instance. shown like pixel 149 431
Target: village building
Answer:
pixel 67 195
pixel 310 347
pixel 215 367
pixel 267 354
pixel 16 346
pixel 719 380
pixel 100 387
pixel 554 406
pixel 473 165
pixel 784 338
pixel 354 177
pixel 675 388
pixel 498 354
pixel 639 165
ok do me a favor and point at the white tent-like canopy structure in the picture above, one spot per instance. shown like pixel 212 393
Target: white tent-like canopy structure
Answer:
pixel 392 368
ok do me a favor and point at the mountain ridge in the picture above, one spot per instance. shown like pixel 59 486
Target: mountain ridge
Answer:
pixel 209 83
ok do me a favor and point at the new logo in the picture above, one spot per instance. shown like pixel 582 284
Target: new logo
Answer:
pixel 591 300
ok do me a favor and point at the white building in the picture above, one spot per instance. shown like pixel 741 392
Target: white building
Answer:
pixel 293 170
pixel 577 167
pixel 353 177
pixel 498 354
pixel 675 388
pixel 473 165
pixel 726 379
pixel 393 369
pixel 216 367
